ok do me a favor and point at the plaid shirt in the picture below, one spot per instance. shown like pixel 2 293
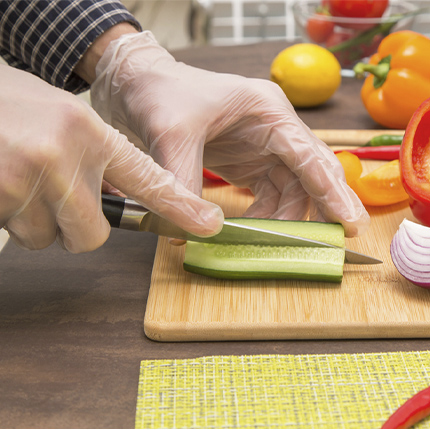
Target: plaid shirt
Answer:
pixel 48 37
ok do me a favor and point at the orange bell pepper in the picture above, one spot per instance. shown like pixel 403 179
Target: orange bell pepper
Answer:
pixel 399 79
pixel 382 186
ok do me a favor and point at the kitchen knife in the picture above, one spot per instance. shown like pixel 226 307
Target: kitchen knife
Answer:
pixel 127 214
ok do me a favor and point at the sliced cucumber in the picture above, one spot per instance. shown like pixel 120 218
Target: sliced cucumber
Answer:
pixel 272 262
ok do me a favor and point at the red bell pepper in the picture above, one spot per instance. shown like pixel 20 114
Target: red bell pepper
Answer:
pixel 412 411
pixel 212 176
pixel 415 162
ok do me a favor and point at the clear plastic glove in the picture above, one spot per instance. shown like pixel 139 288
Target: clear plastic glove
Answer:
pixel 55 151
pixel 244 130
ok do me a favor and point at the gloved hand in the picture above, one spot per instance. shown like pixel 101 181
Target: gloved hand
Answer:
pixel 54 152
pixel 244 130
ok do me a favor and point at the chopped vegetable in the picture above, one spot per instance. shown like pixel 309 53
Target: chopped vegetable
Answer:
pixel 387 153
pixel 399 81
pixel 385 140
pixel 212 176
pixel 382 186
pixel 272 262
pixel 411 412
pixel 415 163
pixel 351 165
pixel 410 252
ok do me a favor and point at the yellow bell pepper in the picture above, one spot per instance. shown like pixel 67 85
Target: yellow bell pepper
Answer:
pixel 351 165
pixel 382 186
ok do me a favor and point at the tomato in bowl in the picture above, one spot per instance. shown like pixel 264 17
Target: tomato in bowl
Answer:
pixel 357 8
pixel 329 23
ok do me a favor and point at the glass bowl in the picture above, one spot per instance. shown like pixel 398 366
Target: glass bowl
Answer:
pixel 350 39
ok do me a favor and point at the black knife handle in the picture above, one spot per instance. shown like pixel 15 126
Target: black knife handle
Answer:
pixel 113 209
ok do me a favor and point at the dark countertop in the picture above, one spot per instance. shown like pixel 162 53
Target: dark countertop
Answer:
pixel 71 326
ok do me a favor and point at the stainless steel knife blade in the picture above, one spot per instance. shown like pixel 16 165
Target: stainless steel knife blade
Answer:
pixel 127 214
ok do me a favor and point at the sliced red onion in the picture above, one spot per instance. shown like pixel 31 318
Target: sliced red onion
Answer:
pixel 410 252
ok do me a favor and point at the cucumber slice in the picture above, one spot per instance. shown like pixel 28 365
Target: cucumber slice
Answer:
pixel 272 262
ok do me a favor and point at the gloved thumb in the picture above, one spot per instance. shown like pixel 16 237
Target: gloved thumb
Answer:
pixel 140 178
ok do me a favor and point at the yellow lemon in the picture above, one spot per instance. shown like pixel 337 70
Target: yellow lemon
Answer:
pixel 308 74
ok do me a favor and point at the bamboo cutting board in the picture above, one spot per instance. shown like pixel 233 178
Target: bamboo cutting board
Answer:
pixel 371 302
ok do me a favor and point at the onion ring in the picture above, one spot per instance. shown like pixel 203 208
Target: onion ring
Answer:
pixel 410 252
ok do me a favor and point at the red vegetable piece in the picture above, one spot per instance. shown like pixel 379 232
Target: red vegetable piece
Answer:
pixel 212 176
pixel 318 28
pixel 414 410
pixel 414 162
pixel 358 8
pixel 387 153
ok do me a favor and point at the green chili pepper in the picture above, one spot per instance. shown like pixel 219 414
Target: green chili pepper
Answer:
pixel 385 140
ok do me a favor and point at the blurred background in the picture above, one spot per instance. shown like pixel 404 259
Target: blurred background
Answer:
pixel 182 23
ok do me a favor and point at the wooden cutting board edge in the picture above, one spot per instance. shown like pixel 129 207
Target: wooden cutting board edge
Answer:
pixel 187 332
pixel 351 137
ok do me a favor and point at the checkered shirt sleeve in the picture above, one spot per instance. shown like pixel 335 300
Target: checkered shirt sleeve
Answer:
pixel 48 37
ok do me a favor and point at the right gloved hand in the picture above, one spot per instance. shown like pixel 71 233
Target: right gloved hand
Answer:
pixel 54 153
pixel 244 130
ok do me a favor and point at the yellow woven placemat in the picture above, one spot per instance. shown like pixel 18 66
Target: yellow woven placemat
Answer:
pixel 353 391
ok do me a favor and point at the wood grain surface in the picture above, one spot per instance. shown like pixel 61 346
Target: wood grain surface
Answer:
pixel 371 302
pixel 351 137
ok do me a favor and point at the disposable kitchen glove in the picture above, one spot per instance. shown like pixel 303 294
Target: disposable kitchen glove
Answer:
pixel 54 153
pixel 243 129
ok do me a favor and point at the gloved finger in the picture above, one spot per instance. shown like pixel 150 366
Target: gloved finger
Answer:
pixel 314 213
pixel 180 151
pixel 34 227
pixel 266 198
pixel 16 188
pixel 137 175
pixel 318 171
pixel 110 189
pixel 294 200
pixel 177 242
pixel 279 196
pixel 82 227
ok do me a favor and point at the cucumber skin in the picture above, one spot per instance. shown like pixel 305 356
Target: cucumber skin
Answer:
pixel 218 274
pixel 334 231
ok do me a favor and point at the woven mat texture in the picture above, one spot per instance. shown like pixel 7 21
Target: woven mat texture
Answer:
pixel 351 391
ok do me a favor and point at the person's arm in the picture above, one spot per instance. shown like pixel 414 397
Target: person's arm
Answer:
pixel 49 38
pixel 86 68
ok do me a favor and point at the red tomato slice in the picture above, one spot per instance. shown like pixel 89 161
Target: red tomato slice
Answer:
pixel 358 8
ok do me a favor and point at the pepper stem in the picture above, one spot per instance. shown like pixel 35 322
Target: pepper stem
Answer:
pixel 379 71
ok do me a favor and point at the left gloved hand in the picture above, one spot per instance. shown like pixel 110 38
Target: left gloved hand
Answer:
pixel 244 130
